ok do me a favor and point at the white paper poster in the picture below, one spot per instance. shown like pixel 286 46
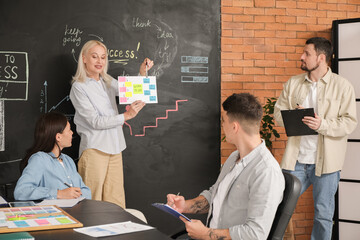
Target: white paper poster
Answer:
pixel 137 88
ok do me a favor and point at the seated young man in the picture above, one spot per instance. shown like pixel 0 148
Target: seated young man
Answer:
pixel 243 201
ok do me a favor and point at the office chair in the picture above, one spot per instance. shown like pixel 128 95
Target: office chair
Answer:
pixel 284 210
pixel 286 207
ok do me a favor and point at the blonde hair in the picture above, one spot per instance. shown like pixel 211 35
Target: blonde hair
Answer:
pixel 81 72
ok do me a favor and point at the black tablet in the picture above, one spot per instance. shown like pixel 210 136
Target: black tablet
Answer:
pixel 293 123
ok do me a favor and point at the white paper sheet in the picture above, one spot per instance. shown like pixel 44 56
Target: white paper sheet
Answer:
pixel 112 229
pixel 61 202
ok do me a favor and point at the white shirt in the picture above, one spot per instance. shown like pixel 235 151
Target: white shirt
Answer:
pixel 308 143
pixel 222 190
pixel 97 119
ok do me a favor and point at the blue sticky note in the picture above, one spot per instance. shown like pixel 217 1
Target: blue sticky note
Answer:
pixel 152 87
pixel 146 92
pixel 21 224
pixel 152 98
pixel 146 80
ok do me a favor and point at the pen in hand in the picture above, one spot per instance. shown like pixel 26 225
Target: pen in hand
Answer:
pixel 146 69
pixel 68 185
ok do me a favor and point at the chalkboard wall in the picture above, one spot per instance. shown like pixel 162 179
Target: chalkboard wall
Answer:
pixel 39 45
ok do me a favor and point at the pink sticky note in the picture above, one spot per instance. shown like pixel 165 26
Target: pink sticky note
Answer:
pixel 42 221
pixel 123 99
pixel 121 79
pixel 122 89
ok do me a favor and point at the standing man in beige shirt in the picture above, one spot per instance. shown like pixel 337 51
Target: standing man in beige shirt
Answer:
pixel 318 159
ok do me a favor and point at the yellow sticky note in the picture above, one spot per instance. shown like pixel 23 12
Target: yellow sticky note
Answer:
pixel 138 89
pixel 128 94
pixel 128 84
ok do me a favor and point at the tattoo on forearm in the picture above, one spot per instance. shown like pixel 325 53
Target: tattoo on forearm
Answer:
pixel 200 206
pixel 213 235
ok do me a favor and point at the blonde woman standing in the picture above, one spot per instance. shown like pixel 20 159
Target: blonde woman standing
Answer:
pixel 99 123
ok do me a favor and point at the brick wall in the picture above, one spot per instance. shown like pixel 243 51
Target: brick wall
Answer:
pixel 261 44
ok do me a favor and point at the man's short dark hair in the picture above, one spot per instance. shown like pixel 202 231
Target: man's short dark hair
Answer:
pixel 321 45
pixel 246 109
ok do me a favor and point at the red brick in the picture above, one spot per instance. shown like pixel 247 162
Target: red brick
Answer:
pixel 254 41
pixel 305 35
pixel 226 18
pixel 273 85
pixel 335 14
pixel 299 231
pixel 275 41
pixel 306 20
pixel 318 28
pixel 242 3
pixel 306 5
pixel 225 55
pixel 347 7
pixel 233 10
pixel 274 56
pixel 354 14
pixel 264 3
pixel 295 12
pixel 286 34
pixel 275 26
pixel 293 56
pixel 324 20
pixel 285 49
pixel 226 63
pixel 226 3
pixel 232 85
pixel 286 19
pixel 243 18
pixel 243 78
pixel 235 70
pixel 243 48
pixel 275 11
pixel 274 71
pixel 281 79
pixel 253 25
pixel 226 48
pixel 254 11
pixel 253 55
pixel 285 4
pixel 243 33
pixel 232 25
pixel 295 42
pixel 253 86
pixel 263 48
pixel 265 19
pixel 264 63
pixel 265 34
pixel 293 71
pixel 229 40
pixel 226 77
pixel 253 70
pixel 227 33
pixel 263 78
pixel 285 63
pixel 327 6
pixel 296 27
pixel 315 13
pixel 243 63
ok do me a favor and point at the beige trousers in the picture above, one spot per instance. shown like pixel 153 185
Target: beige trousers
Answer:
pixel 103 174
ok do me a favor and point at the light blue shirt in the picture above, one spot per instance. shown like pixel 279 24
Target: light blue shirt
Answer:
pixel 44 175
pixel 97 118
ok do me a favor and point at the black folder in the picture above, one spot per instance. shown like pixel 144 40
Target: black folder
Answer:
pixel 293 123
